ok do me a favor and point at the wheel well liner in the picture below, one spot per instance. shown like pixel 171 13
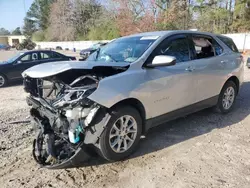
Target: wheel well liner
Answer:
pixel 137 105
pixel 4 75
pixel 236 81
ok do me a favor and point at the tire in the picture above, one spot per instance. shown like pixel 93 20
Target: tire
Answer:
pixel 221 106
pixel 3 81
pixel 105 141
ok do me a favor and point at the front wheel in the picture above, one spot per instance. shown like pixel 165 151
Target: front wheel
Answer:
pixel 122 134
pixel 227 97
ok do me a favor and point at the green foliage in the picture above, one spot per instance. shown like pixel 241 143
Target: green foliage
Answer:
pixel 29 27
pixel 166 26
pixel 17 31
pixel 38 36
pixel 39 12
pixel 37 17
pixel 241 20
pixel 4 31
pixel 67 20
pixel 105 31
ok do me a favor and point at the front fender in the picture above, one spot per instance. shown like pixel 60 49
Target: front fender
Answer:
pixel 114 89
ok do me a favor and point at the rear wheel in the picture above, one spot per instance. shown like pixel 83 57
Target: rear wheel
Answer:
pixel 122 134
pixel 227 97
pixel 3 81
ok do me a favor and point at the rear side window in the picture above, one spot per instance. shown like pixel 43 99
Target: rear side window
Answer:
pixel 56 55
pixel 205 47
pixel 229 42
pixel 46 55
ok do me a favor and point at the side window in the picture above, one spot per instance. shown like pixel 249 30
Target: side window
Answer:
pixel 46 55
pixel 206 47
pixel 177 48
pixel 217 48
pixel 56 55
pixel 34 56
pixel 229 42
pixel 25 58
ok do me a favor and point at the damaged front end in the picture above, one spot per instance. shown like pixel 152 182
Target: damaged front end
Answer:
pixel 69 123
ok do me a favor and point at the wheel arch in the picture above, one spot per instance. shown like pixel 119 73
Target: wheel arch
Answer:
pixel 236 81
pixel 137 105
pixel 4 75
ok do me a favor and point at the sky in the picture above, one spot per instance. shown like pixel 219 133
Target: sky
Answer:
pixel 12 13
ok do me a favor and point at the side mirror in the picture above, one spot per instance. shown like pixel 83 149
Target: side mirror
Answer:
pixel 18 62
pixel 162 60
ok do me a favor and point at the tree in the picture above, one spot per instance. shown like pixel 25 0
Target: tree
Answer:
pixel 4 31
pixel 177 14
pixel 85 15
pixel 29 27
pixel 62 21
pixel 104 27
pixel 37 17
pixel 133 16
pixel 241 16
pixel 39 12
pixel 17 31
pixel 212 16
pixel 38 36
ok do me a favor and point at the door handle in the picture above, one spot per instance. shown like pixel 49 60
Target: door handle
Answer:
pixel 223 61
pixel 190 69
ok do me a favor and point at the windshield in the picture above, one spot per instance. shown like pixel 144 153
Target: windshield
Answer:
pixel 14 58
pixel 123 49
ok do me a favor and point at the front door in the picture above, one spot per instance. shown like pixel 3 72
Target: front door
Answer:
pixel 24 62
pixel 171 87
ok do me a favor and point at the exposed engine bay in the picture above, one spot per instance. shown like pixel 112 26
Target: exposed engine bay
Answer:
pixel 68 121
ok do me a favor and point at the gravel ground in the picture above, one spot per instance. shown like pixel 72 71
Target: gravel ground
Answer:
pixel 201 150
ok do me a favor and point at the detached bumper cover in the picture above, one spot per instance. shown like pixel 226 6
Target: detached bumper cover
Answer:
pixel 76 160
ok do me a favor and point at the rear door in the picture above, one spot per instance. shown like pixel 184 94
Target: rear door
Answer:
pixel 46 56
pixel 60 57
pixel 50 56
pixel 210 62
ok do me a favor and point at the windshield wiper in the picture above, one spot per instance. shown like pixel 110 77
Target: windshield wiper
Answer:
pixel 109 56
pixel 98 53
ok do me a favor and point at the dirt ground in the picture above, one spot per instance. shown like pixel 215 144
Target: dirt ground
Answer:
pixel 202 150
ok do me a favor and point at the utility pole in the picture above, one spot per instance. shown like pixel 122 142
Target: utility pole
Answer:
pixel 24 6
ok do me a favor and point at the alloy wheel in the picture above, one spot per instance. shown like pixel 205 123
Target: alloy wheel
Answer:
pixel 228 98
pixel 123 134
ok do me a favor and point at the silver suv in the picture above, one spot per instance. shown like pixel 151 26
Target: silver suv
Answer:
pixel 123 89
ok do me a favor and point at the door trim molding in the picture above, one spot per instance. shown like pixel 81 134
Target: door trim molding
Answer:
pixel 153 122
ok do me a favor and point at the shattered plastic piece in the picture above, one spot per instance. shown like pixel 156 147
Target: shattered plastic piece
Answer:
pixel 51 160
pixel 92 113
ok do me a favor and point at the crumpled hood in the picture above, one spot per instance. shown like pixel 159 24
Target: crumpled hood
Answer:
pixel 54 68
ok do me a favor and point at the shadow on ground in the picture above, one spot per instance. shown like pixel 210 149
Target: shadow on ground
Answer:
pixel 188 127
pixel 14 83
